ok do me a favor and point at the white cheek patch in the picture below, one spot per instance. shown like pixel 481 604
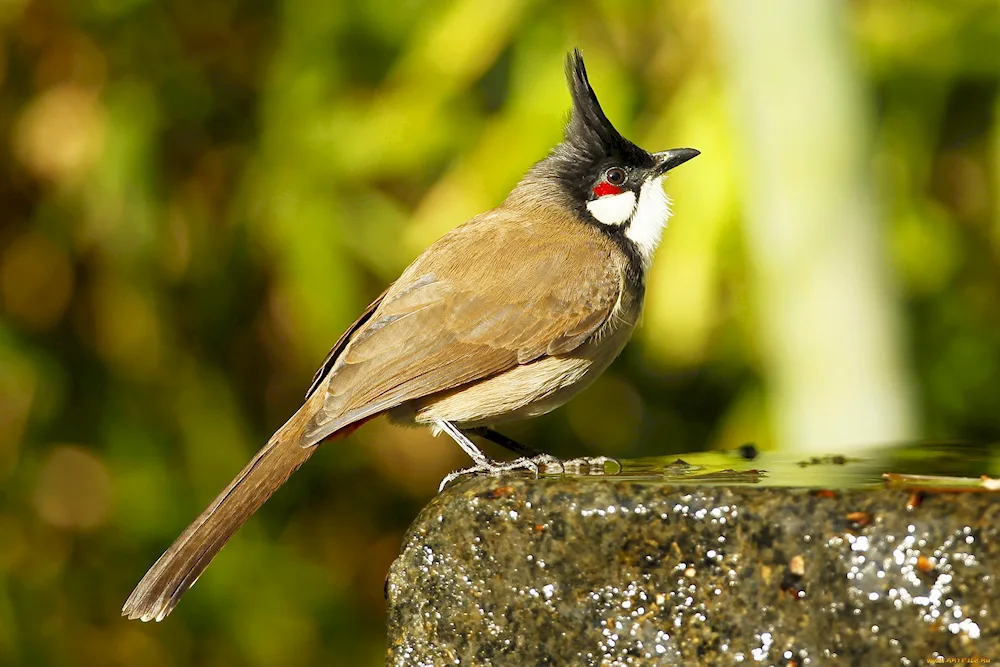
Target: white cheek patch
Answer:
pixel 613 209
pixel 650 218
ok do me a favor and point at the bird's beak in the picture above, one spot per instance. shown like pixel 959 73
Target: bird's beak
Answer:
pixel 667 160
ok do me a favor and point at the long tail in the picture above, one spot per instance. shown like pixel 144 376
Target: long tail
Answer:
pixel 181 565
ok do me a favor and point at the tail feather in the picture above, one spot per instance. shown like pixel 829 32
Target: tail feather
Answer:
pixel 181 564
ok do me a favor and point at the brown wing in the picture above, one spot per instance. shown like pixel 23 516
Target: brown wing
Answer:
pixel 495 292
pixel 339 346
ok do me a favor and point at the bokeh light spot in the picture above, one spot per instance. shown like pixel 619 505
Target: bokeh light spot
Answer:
pixel 61 133
pixel 36 281
pixel 73 489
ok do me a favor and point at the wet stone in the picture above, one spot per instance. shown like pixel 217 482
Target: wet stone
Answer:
pixel 581 571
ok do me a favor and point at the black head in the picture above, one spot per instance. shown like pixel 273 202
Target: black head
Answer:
pixel 594 160
pixel 590 136
pixel 602 177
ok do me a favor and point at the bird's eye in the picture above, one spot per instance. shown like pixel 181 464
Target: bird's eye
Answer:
pixel 615 176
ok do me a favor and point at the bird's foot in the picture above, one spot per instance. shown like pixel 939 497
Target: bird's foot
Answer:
pixel 534 464
pixel 588 465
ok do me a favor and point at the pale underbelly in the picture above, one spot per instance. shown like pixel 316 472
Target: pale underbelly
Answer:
pixel 523 392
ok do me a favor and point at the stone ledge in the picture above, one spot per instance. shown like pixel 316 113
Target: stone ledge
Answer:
pixel 594 571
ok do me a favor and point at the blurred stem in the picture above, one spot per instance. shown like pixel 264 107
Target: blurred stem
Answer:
pixel 827 315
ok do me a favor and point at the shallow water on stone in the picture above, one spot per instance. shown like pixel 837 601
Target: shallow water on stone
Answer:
pixel 931 465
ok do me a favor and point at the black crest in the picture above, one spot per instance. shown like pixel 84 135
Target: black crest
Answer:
pixel 589 130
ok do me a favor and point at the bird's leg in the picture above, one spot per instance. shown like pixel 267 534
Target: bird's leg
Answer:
pixel 500 439
pixel 469 447
pixel 483 464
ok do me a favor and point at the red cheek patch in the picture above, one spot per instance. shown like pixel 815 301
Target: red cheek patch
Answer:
pixel 605 188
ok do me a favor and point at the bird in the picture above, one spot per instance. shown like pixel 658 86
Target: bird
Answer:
pixel 505 317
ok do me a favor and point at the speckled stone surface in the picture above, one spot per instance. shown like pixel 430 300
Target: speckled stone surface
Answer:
pixel 598 572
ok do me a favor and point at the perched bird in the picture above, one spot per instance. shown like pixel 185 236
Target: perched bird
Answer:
pixel 505 317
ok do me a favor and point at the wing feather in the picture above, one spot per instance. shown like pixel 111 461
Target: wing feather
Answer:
pixel 494 293
pixel 338 347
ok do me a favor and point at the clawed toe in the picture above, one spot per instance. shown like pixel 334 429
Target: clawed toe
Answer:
pixel 497 468
pixel 543 461
pixel 593 465
pixel 455 474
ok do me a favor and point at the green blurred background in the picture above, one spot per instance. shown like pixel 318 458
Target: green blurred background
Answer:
pixel 197 197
